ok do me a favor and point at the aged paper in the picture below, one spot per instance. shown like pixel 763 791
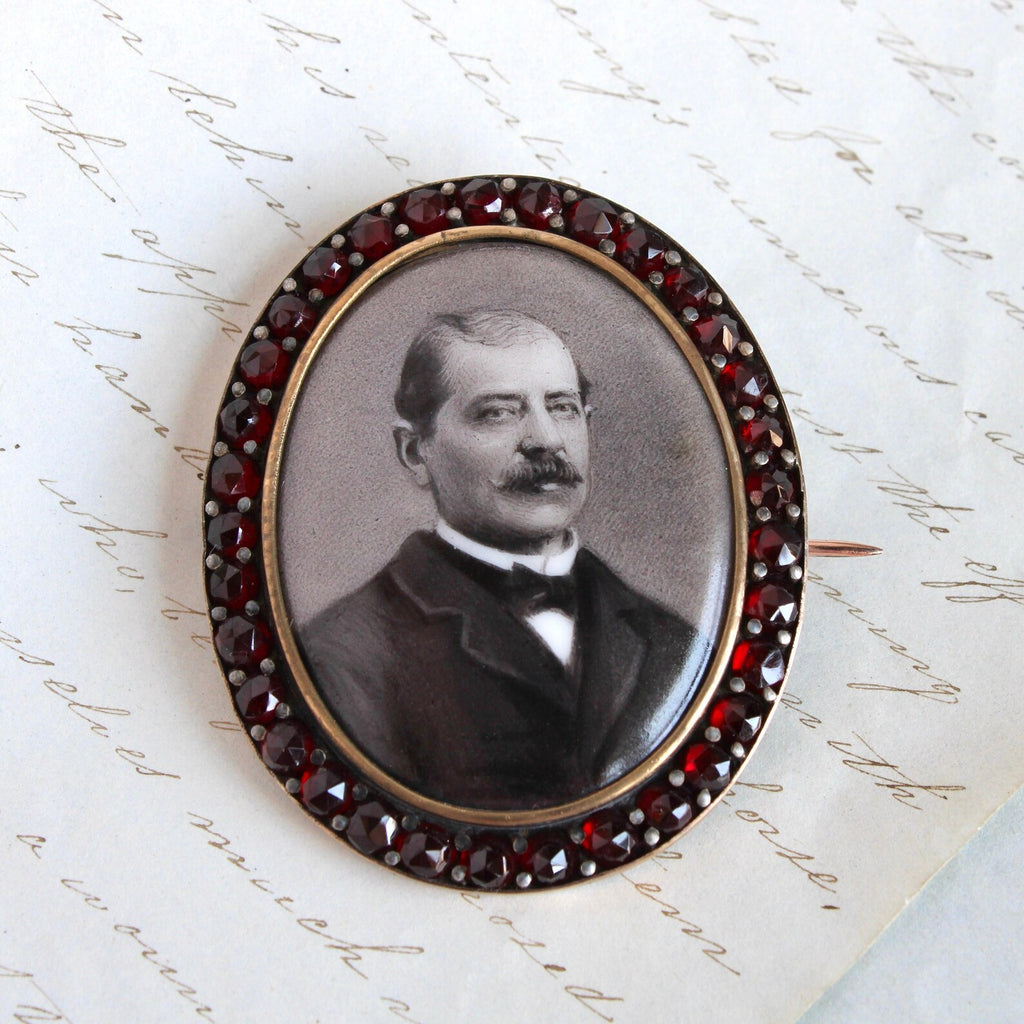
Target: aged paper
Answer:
pixel 851 171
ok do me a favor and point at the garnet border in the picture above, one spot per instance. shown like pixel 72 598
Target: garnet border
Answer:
pixel 695 767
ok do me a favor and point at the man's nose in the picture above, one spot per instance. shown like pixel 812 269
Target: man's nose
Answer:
pixel 540 432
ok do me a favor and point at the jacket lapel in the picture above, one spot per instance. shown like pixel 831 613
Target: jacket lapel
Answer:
pixel 487 632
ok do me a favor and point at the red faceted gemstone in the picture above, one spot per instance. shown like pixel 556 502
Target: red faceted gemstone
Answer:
pixel 424 210
pixel 743 384
pixel 291 316
pixel 737 717
pixel 488 864
pixel 707 767
pixel 426 853
pixel 287 746
pixel 234 476
pixel 327 791
pixel 257 699
pixel 684 286
pixel 372 236
pixel 537 203
pixel 771 604
pixel 770 488
pixel 264 364
pixel 372 829
pixel 758 663
pixel 482 201
pixel 667 809
pixel 243 420
pixel 716 335
pixel 642 251
pixel 761 434
pixel 550 860
pixel 230 531
pixel 609 839
pixel 594 220
pixel 327 269
pixel 777 545
pixel 242 642
pixel 231 585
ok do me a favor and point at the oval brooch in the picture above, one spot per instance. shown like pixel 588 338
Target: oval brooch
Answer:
pixel 504 535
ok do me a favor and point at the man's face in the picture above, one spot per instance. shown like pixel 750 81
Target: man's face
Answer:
pixel 509 456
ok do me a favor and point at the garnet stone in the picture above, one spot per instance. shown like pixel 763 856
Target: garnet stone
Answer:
pixel 538 202
pixel 287 746
pixel 488 864
pixel 758 663
pixel 229 531
pixel 550 860
pixel 257 699
pixel 233 585
pixel 244 419
pixel 327 269
pixel 372 828
pixel 707 767
pixel 594 220
pixel 482 201
pixel 609 839
pixel 242 642
pixel 761 434
pixel 771 489
pixel 737 717
pixel 234 476
pixel 771 604
pixel 642 250
pixel 264 364
pixel 716 335
pixel 426 853
pixel 684 286
pixel 742 384
pixel 291 316
pixel 424 210
pixel 327 791
pixel 371 236
pixel 667 809
pixel 777 545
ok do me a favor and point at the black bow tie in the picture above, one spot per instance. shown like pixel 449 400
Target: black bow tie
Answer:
pixel 528 592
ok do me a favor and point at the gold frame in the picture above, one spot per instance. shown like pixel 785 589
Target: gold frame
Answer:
pixel 725 642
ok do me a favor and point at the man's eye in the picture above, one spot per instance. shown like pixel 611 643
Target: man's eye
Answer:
pixel 566 408
pixel 496 413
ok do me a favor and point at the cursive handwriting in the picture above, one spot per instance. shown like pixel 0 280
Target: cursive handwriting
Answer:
pixel 940 690
pixel 352 953
pixel 947 241
pixel 938 80
pixel 843 139
pixel 585 995
pixel 920 504
pixel 185 273
pixel 1012 310
pixel 986 587
pixel 59 122
pixel 90 713
pixel 863 758
pixel 990 143
pixel 128 37
pixel 13 643
pixel 82 331
pixel 13 984
pixel 714 951
pixel 997 437
pixel 106 532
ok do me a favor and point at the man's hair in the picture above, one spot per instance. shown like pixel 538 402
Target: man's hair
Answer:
pixel 425 384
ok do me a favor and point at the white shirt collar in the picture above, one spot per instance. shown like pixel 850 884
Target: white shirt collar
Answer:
pixel 558 564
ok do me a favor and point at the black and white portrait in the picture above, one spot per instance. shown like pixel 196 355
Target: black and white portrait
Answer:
pixel 505 527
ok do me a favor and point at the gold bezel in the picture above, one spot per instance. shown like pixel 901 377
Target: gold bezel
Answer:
pixel 724 643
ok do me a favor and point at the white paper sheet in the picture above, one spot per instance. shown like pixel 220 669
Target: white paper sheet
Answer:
pixel 850 171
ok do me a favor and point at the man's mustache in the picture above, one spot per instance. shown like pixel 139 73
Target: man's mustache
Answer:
pixel 549 468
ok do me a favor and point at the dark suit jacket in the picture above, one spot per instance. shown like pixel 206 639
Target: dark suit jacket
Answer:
pixel 449 692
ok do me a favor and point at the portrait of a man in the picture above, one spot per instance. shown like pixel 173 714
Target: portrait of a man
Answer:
pixel 496 660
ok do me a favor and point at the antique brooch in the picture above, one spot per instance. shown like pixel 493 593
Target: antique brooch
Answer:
pixel 504 535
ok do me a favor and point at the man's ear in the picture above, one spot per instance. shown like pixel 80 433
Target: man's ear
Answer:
pixel 407 447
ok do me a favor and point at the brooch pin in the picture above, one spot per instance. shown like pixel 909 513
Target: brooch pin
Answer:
pixel 505 535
